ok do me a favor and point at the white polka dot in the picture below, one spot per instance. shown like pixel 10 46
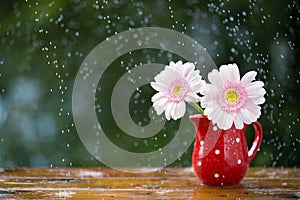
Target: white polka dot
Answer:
pixel 216 175
pixel 237 140
pixel 199 163
pixel 217 151
pixel 239 161
pixel 201 142
pixel 215 128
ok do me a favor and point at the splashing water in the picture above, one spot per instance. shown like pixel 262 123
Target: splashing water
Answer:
pixel 43 45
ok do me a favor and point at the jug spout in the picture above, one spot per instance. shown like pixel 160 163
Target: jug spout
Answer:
pixel 195 119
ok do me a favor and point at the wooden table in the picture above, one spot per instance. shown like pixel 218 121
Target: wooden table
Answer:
pixel 169 183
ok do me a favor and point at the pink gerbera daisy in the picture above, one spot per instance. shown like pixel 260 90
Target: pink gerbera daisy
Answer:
pixel 176 84
pixel 229 100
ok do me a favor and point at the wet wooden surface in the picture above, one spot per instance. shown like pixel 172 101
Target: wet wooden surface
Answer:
pixel 169 183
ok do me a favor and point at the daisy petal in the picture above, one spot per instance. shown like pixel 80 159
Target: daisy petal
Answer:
pixel 230 73
pixel 179 110
pixel 157 96
pixel 215 78
pixel 168 111
pixel 158 86
pixel 258 101
pixel 250 113
pixel 248 77
pixel 192 97
pixel 188 69
pixel 196 86
pixel 227 121
pixel 160 105
pixel 254 86
pixel 238 122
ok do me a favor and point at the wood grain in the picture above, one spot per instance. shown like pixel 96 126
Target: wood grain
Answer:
pixel 169 183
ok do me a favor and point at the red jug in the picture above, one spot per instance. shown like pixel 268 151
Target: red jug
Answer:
pixel 221 157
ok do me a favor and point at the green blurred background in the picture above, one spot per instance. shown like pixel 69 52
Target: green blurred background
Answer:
pixel 43 43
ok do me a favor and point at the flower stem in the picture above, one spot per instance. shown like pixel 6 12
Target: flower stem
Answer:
pixel 197 107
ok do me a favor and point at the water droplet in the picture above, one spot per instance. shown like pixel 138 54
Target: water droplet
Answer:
pixel 199 163
pixel 217 152
pixel 216 175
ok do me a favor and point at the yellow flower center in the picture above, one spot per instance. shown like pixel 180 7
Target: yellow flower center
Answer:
pixel 232 96
pixel 177 90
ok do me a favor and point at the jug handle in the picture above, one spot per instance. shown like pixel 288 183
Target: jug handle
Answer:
pixel 256 142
